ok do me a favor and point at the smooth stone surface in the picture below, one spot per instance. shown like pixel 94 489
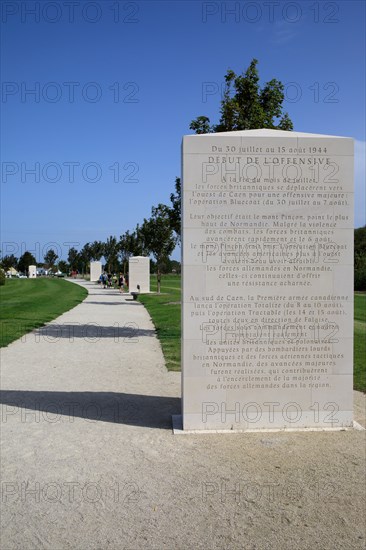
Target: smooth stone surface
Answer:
pixel 95 271
pixel 267 281
pixel 139 274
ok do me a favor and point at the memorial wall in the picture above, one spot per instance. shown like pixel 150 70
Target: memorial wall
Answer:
pixel 267 265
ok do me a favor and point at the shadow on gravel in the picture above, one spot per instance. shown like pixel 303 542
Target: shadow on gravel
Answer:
pixel 149 411
pixel 110 292
pixel 114 303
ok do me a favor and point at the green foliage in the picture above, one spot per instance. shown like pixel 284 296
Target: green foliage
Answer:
pixel 128 245
pixel 360 258
pixel 93 251
pixel 2 277
pixel 63 266
pixel 111 250
pixel 72 258
pixel 175 210
pixel 25 261
pixel 50 258
pixel 247 106
pixel 157 237
pixel 9 261
pixel 201 125
pixel 360 240
pixel 157 234
pixel 175 266
pixel 360 275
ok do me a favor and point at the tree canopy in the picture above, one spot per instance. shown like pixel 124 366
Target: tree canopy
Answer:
pixel 50 257
pixel 247 106
pixel 175 210
pixel 25 261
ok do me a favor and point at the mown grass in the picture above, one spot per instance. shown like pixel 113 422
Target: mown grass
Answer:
pixel 165 311
pixel 27 304
pixel 359 373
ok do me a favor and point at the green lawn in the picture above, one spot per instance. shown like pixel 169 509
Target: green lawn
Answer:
pixel 27 304
pixel 359 378
pixel 165 313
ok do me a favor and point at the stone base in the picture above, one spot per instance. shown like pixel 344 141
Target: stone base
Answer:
pixel 177 422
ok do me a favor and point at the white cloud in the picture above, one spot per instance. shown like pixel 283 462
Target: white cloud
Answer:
pixel 284 31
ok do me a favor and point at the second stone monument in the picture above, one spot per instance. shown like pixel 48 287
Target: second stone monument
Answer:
pixel 139 274
pixel 95 271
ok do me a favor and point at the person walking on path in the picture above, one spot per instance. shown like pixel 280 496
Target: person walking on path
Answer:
pixel 121 282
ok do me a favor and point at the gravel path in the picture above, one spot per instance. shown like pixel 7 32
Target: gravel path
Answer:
pixel 89 460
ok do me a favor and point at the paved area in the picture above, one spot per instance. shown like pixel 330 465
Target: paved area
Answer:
pixel 89 460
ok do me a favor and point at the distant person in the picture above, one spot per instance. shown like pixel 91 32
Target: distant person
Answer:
pixel 121 283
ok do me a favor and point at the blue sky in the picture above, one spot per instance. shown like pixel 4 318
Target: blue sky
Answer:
pixel 116 91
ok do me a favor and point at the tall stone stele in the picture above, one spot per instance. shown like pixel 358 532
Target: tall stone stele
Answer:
pixel 32 272
pixel 139 274
pixel 95 271
pixel 267 281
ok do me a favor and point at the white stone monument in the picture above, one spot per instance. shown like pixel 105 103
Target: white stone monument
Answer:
pixel 32 272
pixel 139 274
pixel 267 281
pixel 95 271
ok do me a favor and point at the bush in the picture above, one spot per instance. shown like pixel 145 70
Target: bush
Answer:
pixel 360 258
pixel 360 270
pixel 360 279
pixel 2 277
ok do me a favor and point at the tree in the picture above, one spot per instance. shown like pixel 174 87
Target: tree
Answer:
pixel 176 266
pixel 96 250
pixel 111 250
pixel 201 125
pixel 73 258
pixel 50 258
pixel 63 266
pixel 360 258
pixel 25 261
pixel 83 259
pixel 9 261
pixel 175 210
pixel 158 237
pixel 246 106
pixel 128 246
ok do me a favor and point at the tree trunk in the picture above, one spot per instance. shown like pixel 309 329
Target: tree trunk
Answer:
pixel 158 275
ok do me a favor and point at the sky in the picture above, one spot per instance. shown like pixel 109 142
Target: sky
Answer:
pixel 96 97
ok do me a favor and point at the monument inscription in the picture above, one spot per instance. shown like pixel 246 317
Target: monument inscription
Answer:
pixel 267 280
